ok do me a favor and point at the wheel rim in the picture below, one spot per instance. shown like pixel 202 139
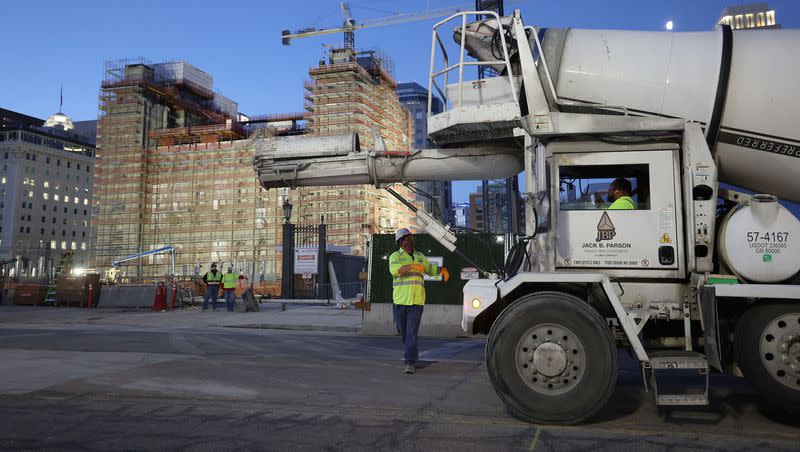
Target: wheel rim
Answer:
pixel 780 350
pixel 550 359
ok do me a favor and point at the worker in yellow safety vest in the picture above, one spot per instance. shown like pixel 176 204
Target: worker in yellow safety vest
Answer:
pixel 620 195
pixel 229 288
pixel 212 279
pixel 408 292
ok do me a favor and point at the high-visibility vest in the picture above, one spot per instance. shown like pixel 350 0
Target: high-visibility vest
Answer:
pixel 623 203
pixel 213 277
pixel 229 280
pixel 409 289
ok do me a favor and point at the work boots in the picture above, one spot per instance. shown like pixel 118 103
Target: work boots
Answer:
pixel 409 369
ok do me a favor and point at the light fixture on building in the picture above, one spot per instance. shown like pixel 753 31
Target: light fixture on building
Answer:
pixel 669 25
pixel 287 210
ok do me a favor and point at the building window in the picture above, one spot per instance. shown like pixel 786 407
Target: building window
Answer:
pixel 83 246
pixel 58 163
pixel 66 198
pixel 41 232
pixel 43 219
pixel 47 160
pixel 73 246
pixel 69 164
pixel 52 244
pixel 56 197
pixel 46 184
pixel 45 196
pixel 63 245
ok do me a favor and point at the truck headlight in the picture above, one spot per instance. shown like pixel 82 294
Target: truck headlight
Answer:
pixel 476 303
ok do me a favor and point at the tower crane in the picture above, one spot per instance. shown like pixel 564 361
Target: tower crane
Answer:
pixel 349 24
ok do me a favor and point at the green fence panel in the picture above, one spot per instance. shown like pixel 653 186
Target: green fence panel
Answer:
pixel 485 250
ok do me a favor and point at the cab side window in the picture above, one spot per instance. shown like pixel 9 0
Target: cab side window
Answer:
pixel 604 187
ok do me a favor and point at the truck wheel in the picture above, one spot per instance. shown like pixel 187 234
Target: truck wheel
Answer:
pixel 551 359
pixel 768 352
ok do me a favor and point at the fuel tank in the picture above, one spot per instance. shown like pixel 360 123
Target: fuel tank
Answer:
pixel 741 86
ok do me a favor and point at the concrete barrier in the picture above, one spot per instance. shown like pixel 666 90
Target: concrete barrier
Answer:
pixel 437 321
pixel 130 296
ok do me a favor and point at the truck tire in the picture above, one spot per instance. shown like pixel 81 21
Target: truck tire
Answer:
pixel 767 346
pixel 551 359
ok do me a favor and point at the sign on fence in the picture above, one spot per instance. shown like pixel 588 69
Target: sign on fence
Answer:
pixel 305 261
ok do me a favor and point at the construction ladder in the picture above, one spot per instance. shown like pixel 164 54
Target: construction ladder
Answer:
pixel 64 266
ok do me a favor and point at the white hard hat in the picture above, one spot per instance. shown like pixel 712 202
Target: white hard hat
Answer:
pixel 402 232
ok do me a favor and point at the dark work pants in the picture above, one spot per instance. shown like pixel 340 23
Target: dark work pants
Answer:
pixel 230 298
pixel 407 319
pixel 211 292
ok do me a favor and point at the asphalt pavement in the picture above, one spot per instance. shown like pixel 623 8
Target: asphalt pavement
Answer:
pixel 307 379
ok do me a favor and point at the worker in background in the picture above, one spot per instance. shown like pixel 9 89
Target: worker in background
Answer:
pixel 211 279
pixel 408 292
pixel 229 288
pixel 620 195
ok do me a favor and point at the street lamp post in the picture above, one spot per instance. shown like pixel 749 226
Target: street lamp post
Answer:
pixel 287 273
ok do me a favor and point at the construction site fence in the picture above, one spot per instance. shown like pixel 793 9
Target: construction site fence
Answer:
pixel 340 290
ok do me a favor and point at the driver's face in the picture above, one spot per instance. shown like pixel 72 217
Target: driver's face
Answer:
pixel 613 192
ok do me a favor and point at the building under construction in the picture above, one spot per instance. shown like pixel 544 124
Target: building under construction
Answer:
pixel 167 164
pixel 355 92
pixel 175 169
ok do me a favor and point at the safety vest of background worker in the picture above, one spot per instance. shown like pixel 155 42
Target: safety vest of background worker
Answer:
pixel 229 280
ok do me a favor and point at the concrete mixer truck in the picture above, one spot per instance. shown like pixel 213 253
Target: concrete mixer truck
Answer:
pixel 690 276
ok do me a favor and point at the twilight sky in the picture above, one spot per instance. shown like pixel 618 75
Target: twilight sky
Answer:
pixel 49 44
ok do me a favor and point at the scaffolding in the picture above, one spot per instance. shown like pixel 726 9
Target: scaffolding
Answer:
pixel 143 105
pixel 175 171
pixel 355 96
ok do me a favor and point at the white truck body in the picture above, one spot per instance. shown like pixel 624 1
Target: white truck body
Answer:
pixel 673 114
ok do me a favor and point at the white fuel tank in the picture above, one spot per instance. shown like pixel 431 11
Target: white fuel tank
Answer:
pixel 760 241
pixel 742 86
